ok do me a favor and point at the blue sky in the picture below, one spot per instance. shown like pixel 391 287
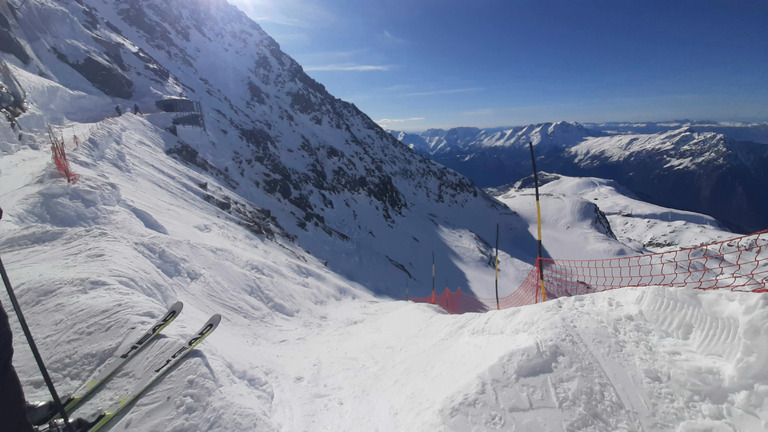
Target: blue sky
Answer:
pixel 415 64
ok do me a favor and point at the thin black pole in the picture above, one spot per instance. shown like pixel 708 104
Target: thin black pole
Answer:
pixel 497 267
pixel 433 277
pixel 538 216
pixel 33 346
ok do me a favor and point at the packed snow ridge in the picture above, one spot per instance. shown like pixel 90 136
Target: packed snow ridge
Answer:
pixel 293 215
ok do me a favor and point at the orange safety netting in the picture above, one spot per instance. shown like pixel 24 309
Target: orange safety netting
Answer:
pixel 59 155
pixel 740 264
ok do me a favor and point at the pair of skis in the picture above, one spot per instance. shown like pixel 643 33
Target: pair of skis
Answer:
pixel 167 360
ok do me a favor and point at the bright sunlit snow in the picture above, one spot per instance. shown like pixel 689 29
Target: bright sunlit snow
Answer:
pixel 303 349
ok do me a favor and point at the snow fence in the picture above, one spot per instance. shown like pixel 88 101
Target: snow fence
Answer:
pixel 739 264
pixel 59 155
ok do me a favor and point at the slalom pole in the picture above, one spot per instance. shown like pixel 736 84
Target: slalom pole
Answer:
pixel 33 346
pixel 538 217
pixel 497 267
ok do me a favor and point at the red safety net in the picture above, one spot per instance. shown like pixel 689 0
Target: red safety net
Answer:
pixel 60 158
pixel 461 302
pixel 740 264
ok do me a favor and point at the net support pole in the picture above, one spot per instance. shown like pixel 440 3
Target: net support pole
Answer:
pixel 497 267
pixel 539 263
pixel 433 278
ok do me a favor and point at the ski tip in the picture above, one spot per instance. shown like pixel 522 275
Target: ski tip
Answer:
pixel 207 329
pixel 211 325
pixel 178 306
pixel 215 320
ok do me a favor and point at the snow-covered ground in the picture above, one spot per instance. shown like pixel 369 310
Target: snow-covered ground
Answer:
pixel 303 349
pixel 569 209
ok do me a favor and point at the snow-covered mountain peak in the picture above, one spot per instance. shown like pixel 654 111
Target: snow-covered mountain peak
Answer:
pixel 565 130
pixel 678 148
pixel 550 136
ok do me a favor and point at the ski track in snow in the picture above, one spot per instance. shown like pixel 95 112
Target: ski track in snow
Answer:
pixel 665 361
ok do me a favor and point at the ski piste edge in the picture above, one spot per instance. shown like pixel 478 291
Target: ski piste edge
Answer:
pixel 155 373
pixel 89 387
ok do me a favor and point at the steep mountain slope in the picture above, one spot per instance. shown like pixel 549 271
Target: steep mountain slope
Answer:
pixel 318 167
pixel 680 168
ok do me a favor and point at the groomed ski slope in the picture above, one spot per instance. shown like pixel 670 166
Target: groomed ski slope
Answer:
pixel 303 349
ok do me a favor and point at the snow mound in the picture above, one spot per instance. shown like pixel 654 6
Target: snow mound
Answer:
pixel 653 359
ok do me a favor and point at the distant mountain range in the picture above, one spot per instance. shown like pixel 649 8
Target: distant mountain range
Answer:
pixel 689 166
pixel 752 132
